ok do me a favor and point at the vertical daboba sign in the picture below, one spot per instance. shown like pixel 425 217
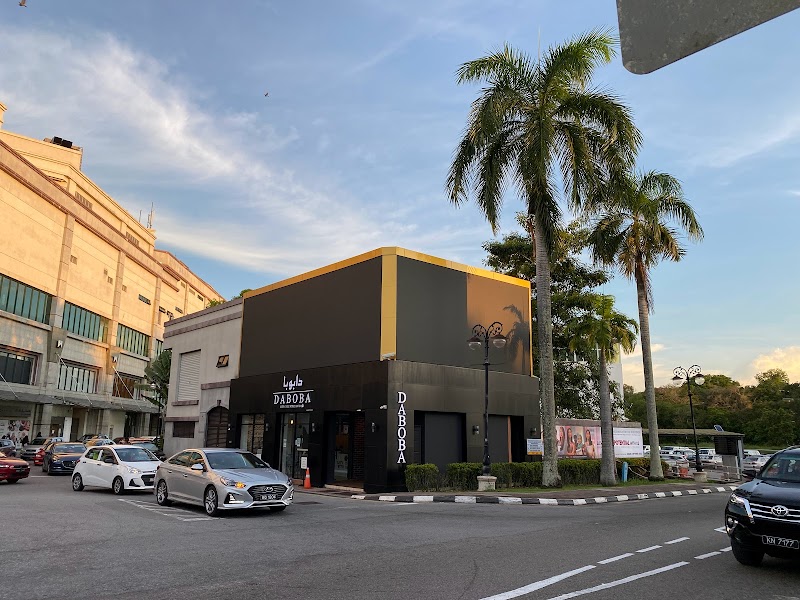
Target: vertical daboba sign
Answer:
pixel 401 428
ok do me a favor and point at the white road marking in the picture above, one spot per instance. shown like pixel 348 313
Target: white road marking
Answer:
pixel 681 539
pixel 660 495
pixel 387 498
pixel 612 584
pixel 726 549
pixel 166 511
pixel 721 529
pixel 622 498
pixel 466 499
pixel 643 550
pixel 579 501
pixel 537 585
pixel 550 501
pixel 509 500
pixel 615 558
pixel 692 492
pixel 600 500
pixel 423 498
pixel 709 555
pixel 358 496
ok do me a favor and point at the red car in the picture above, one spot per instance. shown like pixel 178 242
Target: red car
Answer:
pixel 13 469
pixel 38 458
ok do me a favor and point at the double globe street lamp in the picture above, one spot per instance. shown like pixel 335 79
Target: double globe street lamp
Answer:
pixel 481 336
pixel 691 374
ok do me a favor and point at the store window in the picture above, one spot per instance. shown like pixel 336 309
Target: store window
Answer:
pixel 295 428
pixel 251 433
pixel 85 323
pixel 183 429
pixel 77 378
pixel 24 300
pixel 17 368
pixel 132 340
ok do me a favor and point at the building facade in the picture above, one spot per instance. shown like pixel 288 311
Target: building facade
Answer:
pixel 84 297
pixel 205 358
pixel 359 368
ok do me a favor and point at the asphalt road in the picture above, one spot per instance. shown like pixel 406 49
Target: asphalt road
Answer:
pixel 57 543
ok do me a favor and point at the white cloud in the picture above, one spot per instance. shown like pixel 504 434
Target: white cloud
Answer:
pixel 633 372
pixel 137 120
pixel 787 359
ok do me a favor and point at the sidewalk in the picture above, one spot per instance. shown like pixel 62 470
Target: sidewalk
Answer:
pixel 599 495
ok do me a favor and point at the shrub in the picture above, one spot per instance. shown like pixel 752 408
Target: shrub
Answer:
pixel 463 476
pixel 504 473
pixel 526 474
pixel 424 478
pixel 578 471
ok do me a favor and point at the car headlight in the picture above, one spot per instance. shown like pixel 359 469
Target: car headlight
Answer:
pixel 133 470
pixel 232 483
pixel 738 501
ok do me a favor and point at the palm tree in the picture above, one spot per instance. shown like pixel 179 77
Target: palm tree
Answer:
pixel 607 330
pixel 632 232
pixel 535 119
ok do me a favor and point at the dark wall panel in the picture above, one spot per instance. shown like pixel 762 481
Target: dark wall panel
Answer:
pixel 332 319
pixel 437 308
pixel 498 439
pixel 444 439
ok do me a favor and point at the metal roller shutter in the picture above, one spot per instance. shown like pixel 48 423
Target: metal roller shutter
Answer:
pixel 189 378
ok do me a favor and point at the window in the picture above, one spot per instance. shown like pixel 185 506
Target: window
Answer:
pixel 17 368
pixel 76 378
pixel 106 454
pixel 159 347
pixel 181 460
pixel 125 386
pixel 144 299
pixel 183 429
pixel 93 454
pixel 23 300
pixel 132 340
pixel 86 323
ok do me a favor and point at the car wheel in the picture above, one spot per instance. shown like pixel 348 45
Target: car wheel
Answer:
pixel 210 501
pixel 12 480
pixel 77 482
pixel 162 495
pixel 118 486
pixel 276 508
pixel 746 556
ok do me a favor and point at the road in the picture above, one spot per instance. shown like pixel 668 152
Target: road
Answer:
pixel 57 543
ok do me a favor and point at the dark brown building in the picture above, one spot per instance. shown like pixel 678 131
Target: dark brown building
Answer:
pixel 361 367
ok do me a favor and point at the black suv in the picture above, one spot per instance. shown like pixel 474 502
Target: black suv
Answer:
pixel 763 515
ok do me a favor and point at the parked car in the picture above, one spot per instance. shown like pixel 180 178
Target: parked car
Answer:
pixel 88 436
pixel 752 464
pixel 119 467
pixel 13 469
pixel 152 448
pixel 61 457
pixel 222 479
pixel 763 515
pixel 709 456
pixel 32 447
pixel 677 464
pixel 8 447
pixel 751 452
pixel 99 441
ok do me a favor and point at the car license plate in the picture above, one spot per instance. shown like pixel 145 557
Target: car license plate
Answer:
pixel 780 542
pixel 268 497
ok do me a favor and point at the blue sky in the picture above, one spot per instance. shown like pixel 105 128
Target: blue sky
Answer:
pixel 350 150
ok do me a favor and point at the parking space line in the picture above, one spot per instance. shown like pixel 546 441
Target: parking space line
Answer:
pixel 614 559
pixel 538 585
pixel 166 511
pixel 643 550
pixel 725 549
pixel 708 555
pixel 681 539
pixel 611 584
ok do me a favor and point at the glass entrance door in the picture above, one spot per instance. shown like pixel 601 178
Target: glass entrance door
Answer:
pixel 341 452
pixel 295 429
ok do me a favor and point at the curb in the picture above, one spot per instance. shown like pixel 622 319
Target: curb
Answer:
pixel 545 501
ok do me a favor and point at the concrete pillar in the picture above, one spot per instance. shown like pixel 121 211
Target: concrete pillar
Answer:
pixel 106 421
pixel 145 424
pixel 67 435
pixel 45 420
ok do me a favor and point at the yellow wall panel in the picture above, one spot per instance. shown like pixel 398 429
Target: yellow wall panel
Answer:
pixel 87 284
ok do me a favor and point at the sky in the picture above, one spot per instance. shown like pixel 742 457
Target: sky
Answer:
pixel 349 151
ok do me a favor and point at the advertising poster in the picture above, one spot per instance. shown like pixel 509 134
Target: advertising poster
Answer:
pixel 580 438
pixel 15 430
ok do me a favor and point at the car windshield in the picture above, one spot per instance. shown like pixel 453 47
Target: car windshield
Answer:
pixel 234 460
pixel 135 455
pixel 68 448
pixel 783 468
pixel 37 441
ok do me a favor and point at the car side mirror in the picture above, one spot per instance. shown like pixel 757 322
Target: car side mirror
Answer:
pixel 197 467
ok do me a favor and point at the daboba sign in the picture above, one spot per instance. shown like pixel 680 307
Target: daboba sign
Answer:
pixel 291 396
pixel 401 428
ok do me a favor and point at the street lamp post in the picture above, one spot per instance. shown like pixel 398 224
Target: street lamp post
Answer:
pixel 157 396
pixel 692 373
pixel 481 336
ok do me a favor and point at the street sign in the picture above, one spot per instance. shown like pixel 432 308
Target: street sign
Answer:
pixel 655 33
pixel 535 447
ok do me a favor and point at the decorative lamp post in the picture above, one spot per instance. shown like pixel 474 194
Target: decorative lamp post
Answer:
pixel 481 336
pixel 154 387
pixel 692 373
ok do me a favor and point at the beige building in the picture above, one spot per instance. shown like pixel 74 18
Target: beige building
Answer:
pixel 84 296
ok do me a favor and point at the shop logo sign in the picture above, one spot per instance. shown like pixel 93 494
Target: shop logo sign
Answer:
pixel 292 396
pixel 401 427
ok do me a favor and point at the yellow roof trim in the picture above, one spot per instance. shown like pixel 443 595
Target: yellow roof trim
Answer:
pixel 390 251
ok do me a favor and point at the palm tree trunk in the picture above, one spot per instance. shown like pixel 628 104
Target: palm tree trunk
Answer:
pixel 656 472
pixel 544 322
pixel 608 471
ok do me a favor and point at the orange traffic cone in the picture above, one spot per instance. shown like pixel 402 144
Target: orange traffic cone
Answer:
pixel 307 482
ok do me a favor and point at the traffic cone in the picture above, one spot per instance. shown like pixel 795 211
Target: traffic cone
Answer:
pixel 307 482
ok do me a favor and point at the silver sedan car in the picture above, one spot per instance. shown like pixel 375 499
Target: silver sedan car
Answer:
pixel 222 479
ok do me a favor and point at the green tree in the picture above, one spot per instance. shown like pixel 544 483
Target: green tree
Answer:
pixel 576 386
pixel 535 119
pixel 607 330
pixel 156 388
pixel 633 233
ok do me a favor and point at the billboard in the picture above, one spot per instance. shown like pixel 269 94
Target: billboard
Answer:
pixel 580 438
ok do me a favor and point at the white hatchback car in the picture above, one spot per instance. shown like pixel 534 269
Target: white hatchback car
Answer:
pixel 121 468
